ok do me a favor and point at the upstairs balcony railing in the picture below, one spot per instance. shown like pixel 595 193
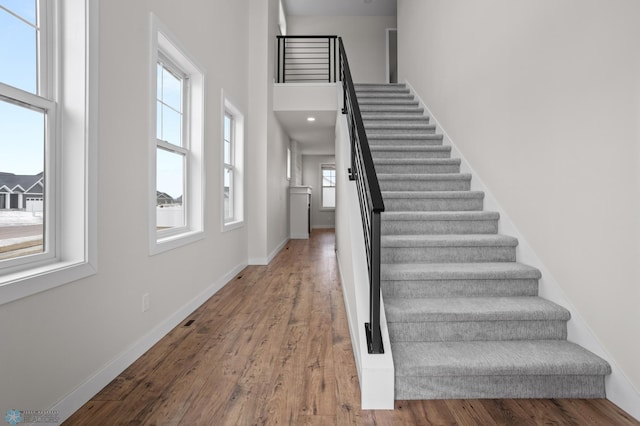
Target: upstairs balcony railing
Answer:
pixel 307 59
pixel 311 59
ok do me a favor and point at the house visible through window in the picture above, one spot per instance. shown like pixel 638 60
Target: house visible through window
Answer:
pixel 176 194
pixel 328 194
pixel 27 131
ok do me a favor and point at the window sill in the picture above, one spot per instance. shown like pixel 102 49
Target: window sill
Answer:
pixel 230 226
pixel 22 284
pixel 161 245
pixel 327 209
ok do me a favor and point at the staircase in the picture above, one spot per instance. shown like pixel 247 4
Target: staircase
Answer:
pixel 463 315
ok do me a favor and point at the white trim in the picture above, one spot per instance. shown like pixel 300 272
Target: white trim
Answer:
pixel 620 390
pixel 83 393
pixel 267 260
pixel 324 226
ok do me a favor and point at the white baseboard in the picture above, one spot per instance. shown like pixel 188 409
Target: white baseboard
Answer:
pixel 81 395
pixel 619 388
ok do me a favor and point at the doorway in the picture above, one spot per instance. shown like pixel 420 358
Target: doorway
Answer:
pixel 392 55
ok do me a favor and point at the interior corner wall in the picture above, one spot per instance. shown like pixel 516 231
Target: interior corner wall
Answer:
pixel 311 177
pixel 278 185
pixel 258 133
pixel 57 341
pixel 364 38
pixel 543 99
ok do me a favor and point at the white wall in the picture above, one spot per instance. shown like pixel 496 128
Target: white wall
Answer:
pixel 364 38
pixel 311 177
pixel 54 342
pixel 268 208
pixel 543 99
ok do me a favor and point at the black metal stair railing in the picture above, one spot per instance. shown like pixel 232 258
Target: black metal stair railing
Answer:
pixel 306 59
pixel 369 195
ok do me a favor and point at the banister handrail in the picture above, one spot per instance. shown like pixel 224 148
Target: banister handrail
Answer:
pixel 369 195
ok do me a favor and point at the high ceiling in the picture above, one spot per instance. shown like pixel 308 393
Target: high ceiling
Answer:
pixel 341 7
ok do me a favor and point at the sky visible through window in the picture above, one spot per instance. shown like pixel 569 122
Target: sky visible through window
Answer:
pixel 169 167
pixel 21 129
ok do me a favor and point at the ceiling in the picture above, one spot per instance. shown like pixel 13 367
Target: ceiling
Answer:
pixel 314 138
pixel 341 7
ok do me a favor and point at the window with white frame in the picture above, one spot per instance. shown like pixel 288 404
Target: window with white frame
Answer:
pixel 232 166
pixel 176 196
pixel 54 242
pixel 28 116
pixel 328 185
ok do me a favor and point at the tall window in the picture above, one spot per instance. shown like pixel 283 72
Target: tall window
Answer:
pixel 229 172
pixel 28 116
pixel 176 193
pixel 172 155
pixel 48 179
pixel 328 194
pixel 232 166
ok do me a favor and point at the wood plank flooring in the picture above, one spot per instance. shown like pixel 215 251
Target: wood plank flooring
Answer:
pixel 273 348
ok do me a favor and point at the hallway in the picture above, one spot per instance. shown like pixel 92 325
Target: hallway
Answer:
pixel 273 347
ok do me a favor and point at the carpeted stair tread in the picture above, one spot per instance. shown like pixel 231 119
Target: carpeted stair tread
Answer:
pixel 433 194
pixel 379 87
pixel 457 271
pixel 390 109
pixel 397 117
pixel 418 161
pixel 379 95
pixel 428 216
pixel 390 101
pixel 495 358
pixel 398 138
pixel 375 126
pixel 389 241
pixel 469 309
pixel 411 149
pixel 423 176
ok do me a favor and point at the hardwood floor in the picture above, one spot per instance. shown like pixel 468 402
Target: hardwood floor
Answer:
pixel 273 347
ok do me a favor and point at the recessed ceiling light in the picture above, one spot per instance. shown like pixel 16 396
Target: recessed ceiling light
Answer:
pixel 311 119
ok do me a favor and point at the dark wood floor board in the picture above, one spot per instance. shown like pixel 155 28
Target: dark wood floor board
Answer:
pixel 273 348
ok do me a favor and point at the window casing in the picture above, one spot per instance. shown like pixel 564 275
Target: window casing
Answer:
pixel 176 190
pixel 232 166
pixel 328 186
pixel 49 97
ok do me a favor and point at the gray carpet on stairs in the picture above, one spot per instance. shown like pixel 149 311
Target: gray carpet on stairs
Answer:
pixel 464 316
